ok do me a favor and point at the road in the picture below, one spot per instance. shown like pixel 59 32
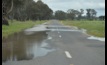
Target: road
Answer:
pixel 71 47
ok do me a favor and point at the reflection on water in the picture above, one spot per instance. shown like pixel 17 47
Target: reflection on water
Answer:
pixel 21 46
pixel 41 50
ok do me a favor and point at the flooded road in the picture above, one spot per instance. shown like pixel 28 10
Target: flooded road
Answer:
pixel 53 44
pixel 22 46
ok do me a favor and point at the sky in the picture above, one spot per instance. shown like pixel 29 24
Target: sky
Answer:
pixel 64 5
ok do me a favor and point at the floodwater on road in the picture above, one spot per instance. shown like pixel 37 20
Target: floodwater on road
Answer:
pixel 22 46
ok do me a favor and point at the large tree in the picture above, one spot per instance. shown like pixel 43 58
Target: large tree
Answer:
pixel 80 14
pixel 38 11
pixel 91 14
pixel 44 12
pixel 73 14
pixel 26 9
pixel 20 12
pixel 94 13
pixel 7 7
pixel 61 15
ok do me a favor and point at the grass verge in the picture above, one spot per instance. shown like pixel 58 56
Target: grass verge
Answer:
pixel 96 28
pixel 17 26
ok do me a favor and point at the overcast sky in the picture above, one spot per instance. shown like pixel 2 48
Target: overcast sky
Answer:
pixel 98 5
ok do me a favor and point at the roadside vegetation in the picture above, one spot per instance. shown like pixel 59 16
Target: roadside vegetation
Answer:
pixel 17 26
pixel 24 10
pixel 96 28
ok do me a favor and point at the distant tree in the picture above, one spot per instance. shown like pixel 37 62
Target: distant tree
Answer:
pixel 101 17
pixel 80 14
pixel 88 13
pixel 70 14
pixel 73 14
pixel 91 14
pixel 61 15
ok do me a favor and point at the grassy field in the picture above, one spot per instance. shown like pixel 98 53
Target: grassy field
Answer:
pixel 96 28
pixel 17 26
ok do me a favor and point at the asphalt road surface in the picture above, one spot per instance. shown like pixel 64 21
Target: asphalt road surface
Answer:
pixel 71 47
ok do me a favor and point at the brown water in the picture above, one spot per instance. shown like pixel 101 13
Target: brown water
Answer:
pixel 24 46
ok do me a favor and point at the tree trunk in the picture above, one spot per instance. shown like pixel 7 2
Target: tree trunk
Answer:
pixel 5 13
pixel 11 8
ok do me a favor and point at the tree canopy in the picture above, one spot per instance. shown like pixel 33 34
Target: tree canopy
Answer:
pixel 25 10
pixel 30 10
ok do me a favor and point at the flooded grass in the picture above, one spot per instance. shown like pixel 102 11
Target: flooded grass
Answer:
pixel 17 26
pixel 96 28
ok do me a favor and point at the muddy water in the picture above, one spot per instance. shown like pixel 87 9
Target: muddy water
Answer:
pixel 24 46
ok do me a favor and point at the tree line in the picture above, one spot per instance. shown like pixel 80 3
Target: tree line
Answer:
pixel 73 14
pixel 23 10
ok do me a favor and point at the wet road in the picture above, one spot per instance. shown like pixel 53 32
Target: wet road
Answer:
pixel 54 45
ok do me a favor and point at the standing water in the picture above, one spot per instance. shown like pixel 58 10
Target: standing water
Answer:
pixel 22 46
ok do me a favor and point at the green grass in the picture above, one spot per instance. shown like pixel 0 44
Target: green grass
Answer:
pixel 96 28
pixel 17 26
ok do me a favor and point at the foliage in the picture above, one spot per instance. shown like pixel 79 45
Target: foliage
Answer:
pixel 73 14
pixel 60 15
pixel 32 11
pixel 25 10
pixel 91 13
pixel 101 17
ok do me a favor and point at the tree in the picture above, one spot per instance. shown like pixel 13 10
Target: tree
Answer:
pixel 44 12
pixel 7 7
pixel 80 14
pixel 101 17
pixel 5 11
pixel 61 15
pixel 33 9
pixel 91 14
pixel 29 9
pixel 19 12
pixel 70 14
pixel 73 14
pixel 88 13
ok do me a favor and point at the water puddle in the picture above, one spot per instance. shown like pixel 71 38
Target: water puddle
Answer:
pixel 49 37
pixel 38 51
pixel 37 28
pixel 62 28
pixel 96 38
pixel 25 46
